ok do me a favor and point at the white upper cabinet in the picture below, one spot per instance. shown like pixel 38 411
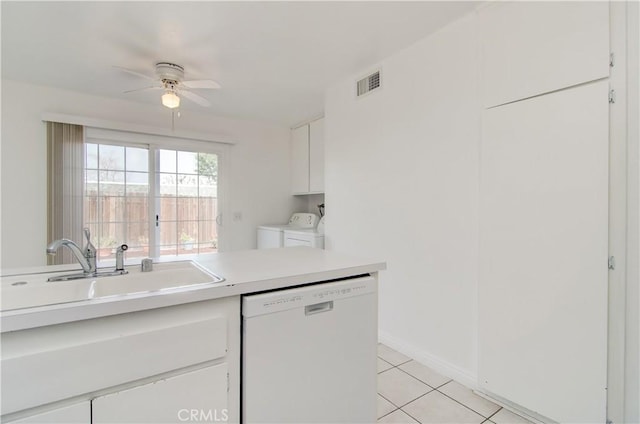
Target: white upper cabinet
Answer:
pixel 532 48
pixel 316 156
pixel 300 159
pixel 307 158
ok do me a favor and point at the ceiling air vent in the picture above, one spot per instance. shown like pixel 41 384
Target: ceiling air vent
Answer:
pixel 368 83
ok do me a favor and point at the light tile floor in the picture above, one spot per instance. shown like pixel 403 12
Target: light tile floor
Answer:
pixel 409 392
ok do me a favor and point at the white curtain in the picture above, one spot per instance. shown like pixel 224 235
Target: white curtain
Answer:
pixel 65 169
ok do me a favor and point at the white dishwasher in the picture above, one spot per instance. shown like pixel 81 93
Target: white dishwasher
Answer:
pixel 309 354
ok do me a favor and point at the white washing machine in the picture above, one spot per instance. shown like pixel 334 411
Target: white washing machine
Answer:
pixel 270 236
pixel 312 237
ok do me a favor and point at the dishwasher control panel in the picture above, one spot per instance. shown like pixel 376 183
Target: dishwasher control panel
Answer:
pixel 281 300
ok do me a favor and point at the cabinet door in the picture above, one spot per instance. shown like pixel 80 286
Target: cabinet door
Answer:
pixel 316 156
pixel 531 48
pixel 300 159
pixel 542 298
pixel 195 396
pixel 79 413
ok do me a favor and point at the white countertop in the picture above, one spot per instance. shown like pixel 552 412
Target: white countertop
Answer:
pixel 245 272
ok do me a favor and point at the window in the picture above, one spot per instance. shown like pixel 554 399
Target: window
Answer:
pixel 159 202
pixel 186 202
pixel 116 198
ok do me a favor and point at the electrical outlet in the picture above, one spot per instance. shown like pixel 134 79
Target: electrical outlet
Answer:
pixel 237 216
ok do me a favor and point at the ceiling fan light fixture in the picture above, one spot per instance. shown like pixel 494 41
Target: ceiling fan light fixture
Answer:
pixel 169 78
pixel 170 100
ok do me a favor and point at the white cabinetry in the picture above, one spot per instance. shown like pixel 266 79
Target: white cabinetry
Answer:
pixel 307 158
pixel 542 292
pixel 199 395
pixel 139 356
pixel 300 160
pixel 77 413
pixel 544 207
pixel 316 156
pixel 549 46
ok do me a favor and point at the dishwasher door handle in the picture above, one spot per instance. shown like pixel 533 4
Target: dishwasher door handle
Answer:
pixel 318 308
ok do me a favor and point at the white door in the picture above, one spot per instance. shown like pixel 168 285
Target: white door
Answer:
pixel 543 246
pixel 197 396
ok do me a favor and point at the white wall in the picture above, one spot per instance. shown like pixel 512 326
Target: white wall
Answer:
pixel 402 184
pixel 312 202
pixel 259 164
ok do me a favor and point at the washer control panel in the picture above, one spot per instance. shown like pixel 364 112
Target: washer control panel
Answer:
pixel 304 220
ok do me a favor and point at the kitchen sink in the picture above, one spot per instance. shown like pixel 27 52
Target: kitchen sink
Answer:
pixel 33 290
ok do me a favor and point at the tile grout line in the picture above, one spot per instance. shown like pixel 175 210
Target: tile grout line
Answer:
pixel 415 378
pixel 382 396
pixel 396 366
pixel 422 381
pixel 491 416
pixel 413 400
pixel 414 418
pixel 468 407
pixel 391 363
pixel 388 413
pixel 405 404
pixel 391 404
pixel 399 408
pixel 432 390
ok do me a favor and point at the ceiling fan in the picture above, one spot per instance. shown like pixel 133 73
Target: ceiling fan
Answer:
pixel 170 78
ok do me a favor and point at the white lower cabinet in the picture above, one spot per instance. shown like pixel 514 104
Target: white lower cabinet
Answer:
pixel 196 396
pixel 78 413
pixel 167 365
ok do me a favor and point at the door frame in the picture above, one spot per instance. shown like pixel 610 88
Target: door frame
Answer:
pixel 619 185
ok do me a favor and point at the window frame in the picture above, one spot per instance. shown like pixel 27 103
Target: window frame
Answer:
pixel 154 145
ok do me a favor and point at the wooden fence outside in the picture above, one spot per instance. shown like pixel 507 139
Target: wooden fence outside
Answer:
pixel 186 223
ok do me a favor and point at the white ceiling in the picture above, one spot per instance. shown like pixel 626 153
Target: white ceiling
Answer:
pixel 273 59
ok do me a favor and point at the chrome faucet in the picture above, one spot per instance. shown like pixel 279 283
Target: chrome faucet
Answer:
pixel 53 247
pixel 87 259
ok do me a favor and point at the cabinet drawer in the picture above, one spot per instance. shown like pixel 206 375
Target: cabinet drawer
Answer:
pixel 195 396
pixel 73 359
pixel 80 413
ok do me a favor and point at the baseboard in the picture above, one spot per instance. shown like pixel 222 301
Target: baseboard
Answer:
pixel 515 408
pixel 439 365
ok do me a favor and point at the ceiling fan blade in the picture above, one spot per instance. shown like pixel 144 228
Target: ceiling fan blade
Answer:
pixel 195 98
pixel 210 84
pixel 136 73
pixel 153 87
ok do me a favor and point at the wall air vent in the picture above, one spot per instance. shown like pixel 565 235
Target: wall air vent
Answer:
pixel 368 84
